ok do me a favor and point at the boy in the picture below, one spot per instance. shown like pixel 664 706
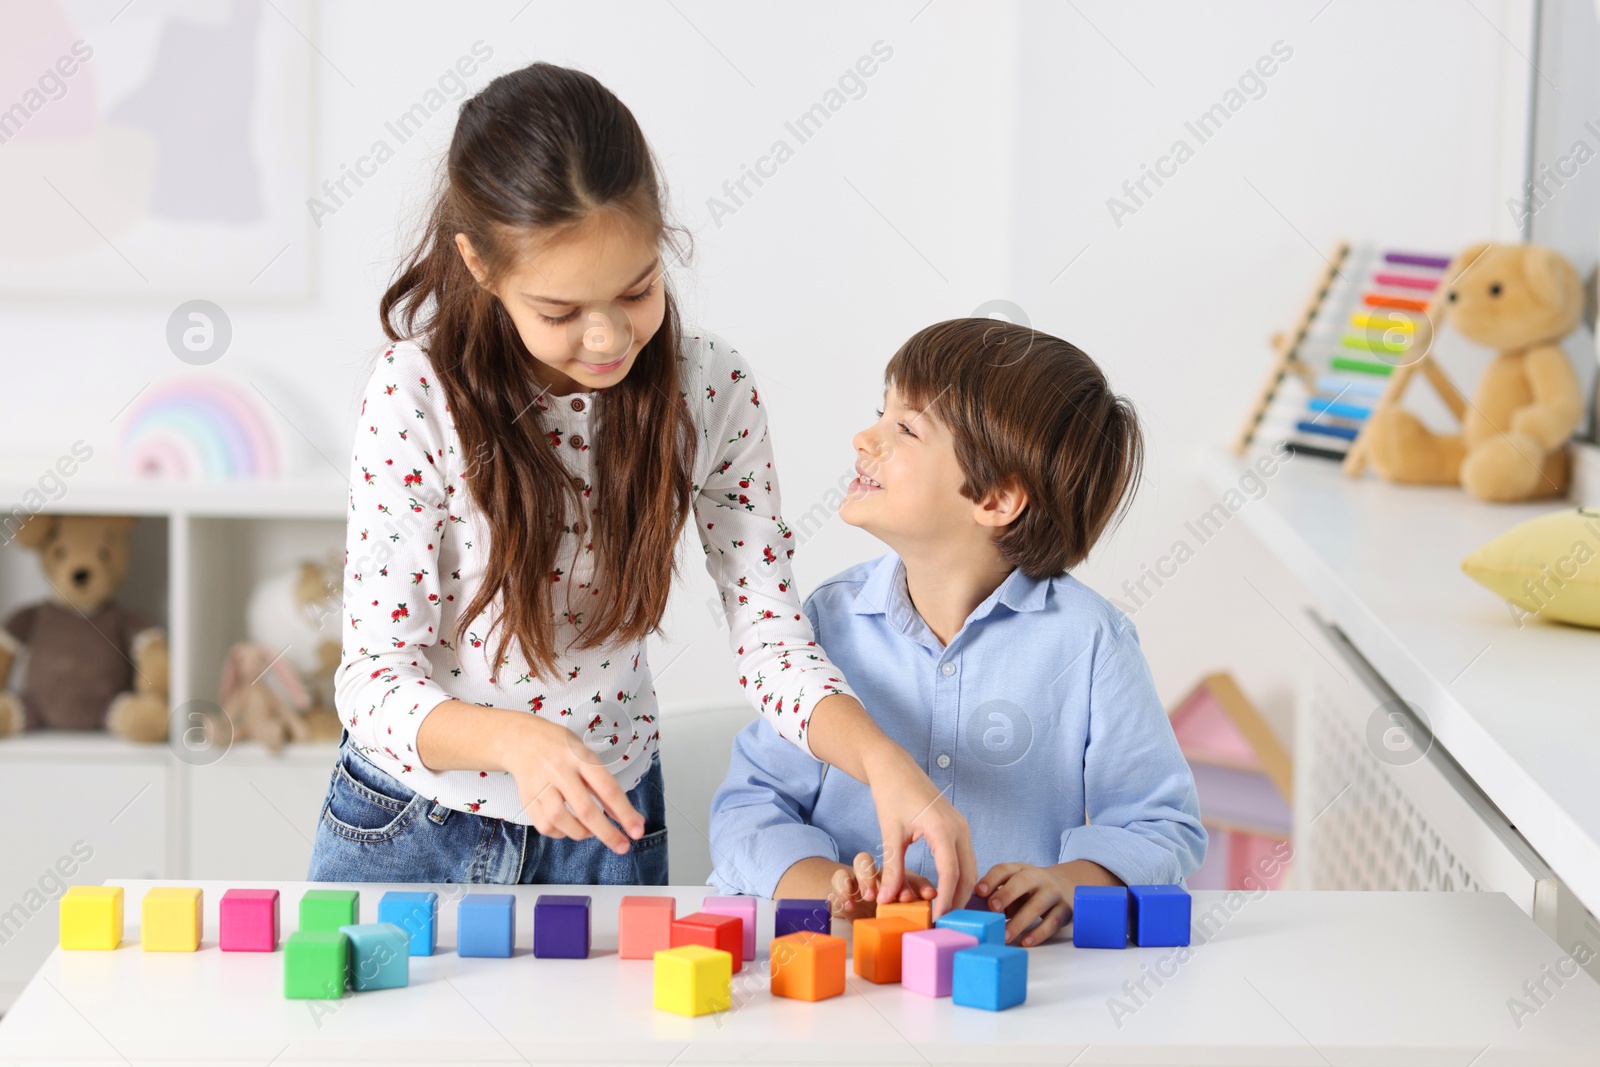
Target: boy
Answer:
pixel 1000 457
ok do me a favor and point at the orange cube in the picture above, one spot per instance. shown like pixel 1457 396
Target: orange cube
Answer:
pixel 918 912
pixel 644 926
pixel 725 932
pixel 807 966
pixel 877 948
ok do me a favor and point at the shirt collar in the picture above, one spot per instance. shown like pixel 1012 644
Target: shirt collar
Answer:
pixel 884 592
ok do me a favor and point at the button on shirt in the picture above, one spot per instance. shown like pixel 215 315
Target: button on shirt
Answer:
pixel 417 549
pixel 1040 721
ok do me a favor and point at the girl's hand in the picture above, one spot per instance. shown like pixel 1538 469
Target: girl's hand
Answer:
pixel 559 779
pixel 855 892
pixel 1029 894
pixel 911 808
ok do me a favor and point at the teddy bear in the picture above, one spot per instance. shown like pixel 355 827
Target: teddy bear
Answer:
pixel 1522 300
pixel 92 664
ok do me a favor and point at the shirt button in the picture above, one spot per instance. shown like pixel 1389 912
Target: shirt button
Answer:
pixel 943 760
pixel 576 441
pixel 577 483
pixel 577 404
pixel 948 669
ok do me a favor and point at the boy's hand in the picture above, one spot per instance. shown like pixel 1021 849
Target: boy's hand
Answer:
pixel 1029 894
pixel 855 889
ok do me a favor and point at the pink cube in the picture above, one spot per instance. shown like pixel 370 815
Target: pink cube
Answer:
pixel 644 926
pixel 742 908
pixel 926 959
pixel 249 920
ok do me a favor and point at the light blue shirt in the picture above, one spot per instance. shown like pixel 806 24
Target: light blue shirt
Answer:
pixel 1039 721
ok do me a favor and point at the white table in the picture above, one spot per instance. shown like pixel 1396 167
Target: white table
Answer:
pixel 1292 978
pixel 1517 708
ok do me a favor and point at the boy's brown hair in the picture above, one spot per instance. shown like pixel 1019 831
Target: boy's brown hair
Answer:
pixel 1023 404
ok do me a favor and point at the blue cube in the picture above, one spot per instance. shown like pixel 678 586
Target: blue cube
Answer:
pixel 989 927
pixel 994 977
pixel 1159 914
pixel 415 913
pixel 379 956
pixel 1100 916
pixel 797 916
pixel 561 927
pixel 486 924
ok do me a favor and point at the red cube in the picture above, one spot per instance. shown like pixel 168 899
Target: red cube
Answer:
pixel 644 925
pixel 713 931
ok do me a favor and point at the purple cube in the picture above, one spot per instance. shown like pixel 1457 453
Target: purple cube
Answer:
pixel 561 927
pixel 797 916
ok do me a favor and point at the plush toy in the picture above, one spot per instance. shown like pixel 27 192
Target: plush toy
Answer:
pixel 1521 300
pixel 92 664
pixel 278 686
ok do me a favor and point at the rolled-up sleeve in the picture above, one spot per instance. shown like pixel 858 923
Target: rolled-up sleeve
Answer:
pixel 399 502
pixel 760 815
pixel 1145 827
pixel 748 548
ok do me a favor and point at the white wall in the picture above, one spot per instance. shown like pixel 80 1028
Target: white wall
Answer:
pixel 976 166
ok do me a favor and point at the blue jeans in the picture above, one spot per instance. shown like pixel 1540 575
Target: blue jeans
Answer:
pixel 376 829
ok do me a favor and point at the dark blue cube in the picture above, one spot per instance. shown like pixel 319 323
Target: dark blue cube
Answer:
pixel 561 927
pixel 486 924
pixel 795 916
pixel 1100 916
pixel 1159 914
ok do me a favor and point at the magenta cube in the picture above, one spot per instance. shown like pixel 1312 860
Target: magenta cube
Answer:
pixel 926 959
pixel 741 908
pixel 249 920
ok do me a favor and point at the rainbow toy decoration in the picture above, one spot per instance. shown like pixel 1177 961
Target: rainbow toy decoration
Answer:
pixel 199 427
pixel 1367 326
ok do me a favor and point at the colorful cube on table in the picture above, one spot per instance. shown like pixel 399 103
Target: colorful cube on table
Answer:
pixel 315 964
pixel 561 927
pixel 1158 914
pixel 415 913
pixel 380 956
pixel 693 980
pixel 329 909
pixel 927 959
pixel 248 920
pixel 486 924
pixel 723 932
pixel 877 948
pixel 91 917
pixel 990 976
pixel 644 926
pixel 794 916
pixel 807 966
pixel 170 919
pixel 989 927
pixel 741 908
pixel 918 913
pixel 1100 916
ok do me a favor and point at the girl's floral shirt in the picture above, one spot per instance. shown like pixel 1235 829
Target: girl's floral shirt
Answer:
pixel 417 547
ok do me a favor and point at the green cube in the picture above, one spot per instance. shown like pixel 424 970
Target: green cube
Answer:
pixel 315 964
pixel 329 909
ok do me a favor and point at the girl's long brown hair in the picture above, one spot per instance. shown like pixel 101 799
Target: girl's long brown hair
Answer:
pixel 535 153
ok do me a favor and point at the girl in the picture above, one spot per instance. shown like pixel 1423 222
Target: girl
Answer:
pixel 529 448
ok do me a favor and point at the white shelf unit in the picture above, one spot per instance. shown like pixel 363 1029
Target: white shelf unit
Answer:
pixel 154 811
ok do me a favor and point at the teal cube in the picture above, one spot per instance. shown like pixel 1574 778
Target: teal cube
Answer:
pixel 329 909
pixel 992 977
pixel 380 956
pixel 315 963
pixel 989 927
pixel 415 913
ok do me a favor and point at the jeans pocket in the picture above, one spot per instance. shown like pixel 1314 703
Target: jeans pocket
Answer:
pixel 366 804
pixel 650 858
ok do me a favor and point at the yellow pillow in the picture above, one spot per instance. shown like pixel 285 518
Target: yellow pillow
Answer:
pixel 1549 566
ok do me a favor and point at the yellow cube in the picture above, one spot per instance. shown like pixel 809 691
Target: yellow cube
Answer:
pixel 91 917
pixel 693 979
pixel 170 919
